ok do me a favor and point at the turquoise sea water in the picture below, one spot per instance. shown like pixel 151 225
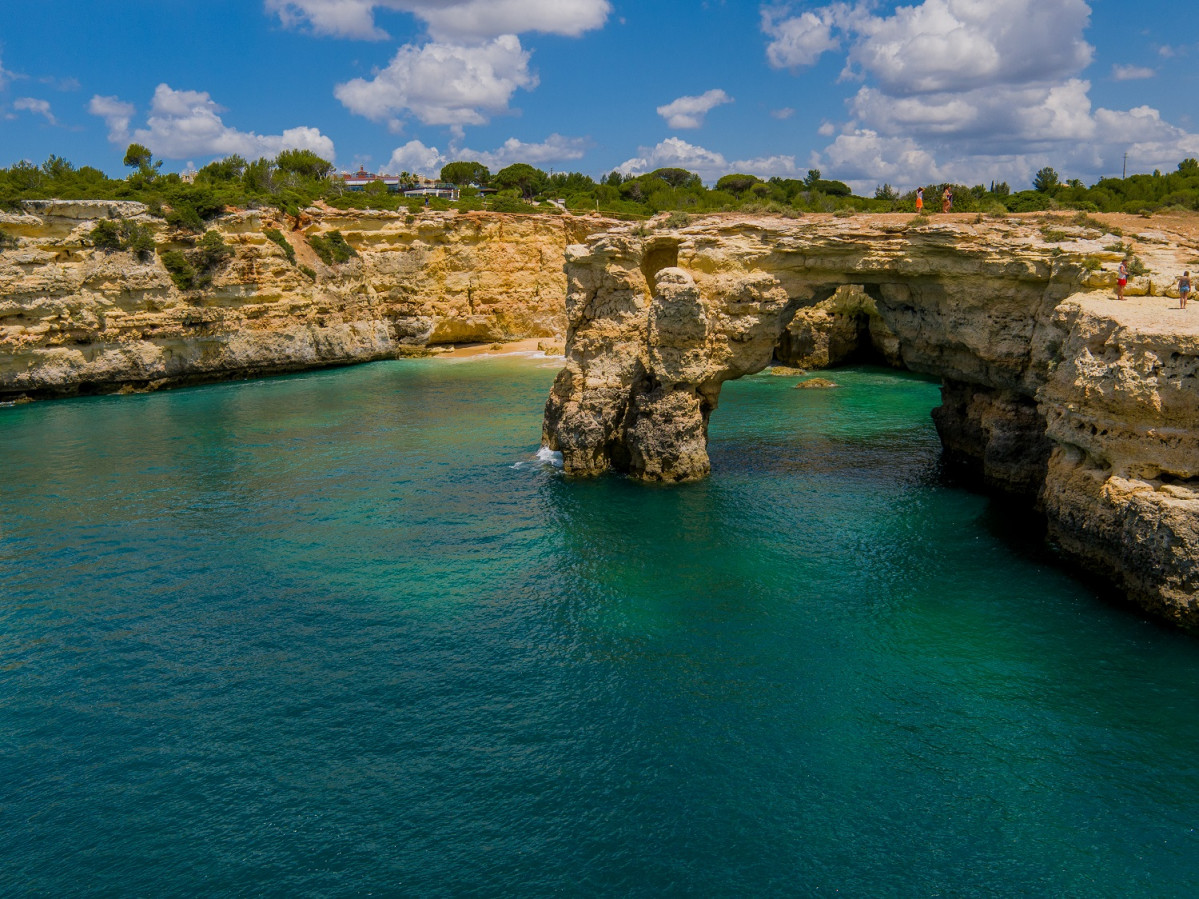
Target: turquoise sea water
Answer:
pixel 342 634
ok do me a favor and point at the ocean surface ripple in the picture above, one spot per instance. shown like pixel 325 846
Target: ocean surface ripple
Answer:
pixel 353 633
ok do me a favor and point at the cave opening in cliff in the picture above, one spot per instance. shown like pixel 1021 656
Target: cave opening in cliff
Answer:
pixel 836 326
pixel 661 253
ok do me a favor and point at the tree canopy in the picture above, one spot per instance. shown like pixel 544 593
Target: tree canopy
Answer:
pixel 523 177
pixel 463 172
pixel 1045 180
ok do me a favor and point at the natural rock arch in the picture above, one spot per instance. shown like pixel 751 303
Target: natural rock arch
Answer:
pixel 1049 392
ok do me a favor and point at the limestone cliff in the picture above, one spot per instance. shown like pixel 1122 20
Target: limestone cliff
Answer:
pixel 75 319
pixel 1051 390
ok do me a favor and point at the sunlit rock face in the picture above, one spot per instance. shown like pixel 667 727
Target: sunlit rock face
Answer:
pixel 1052 391
pixel 76 319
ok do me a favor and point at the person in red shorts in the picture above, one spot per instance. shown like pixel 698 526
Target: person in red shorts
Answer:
pixel 1121 279
pixel 919 199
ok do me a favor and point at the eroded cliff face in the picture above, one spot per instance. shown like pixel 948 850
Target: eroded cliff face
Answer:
pixel 75 319
pixel 1052 390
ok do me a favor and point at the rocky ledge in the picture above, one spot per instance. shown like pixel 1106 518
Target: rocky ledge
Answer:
pixel 1052 390
pixel 74 319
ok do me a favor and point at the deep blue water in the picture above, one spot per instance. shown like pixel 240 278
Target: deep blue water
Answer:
pixel 341 634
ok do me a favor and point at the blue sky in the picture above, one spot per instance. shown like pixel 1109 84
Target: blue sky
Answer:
pixel 866 91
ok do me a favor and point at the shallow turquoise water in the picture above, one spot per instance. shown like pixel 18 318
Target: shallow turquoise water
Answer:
pixel 341 633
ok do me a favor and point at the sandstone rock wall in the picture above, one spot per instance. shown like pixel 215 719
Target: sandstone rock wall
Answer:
pixel 74 319
pixel 1051 390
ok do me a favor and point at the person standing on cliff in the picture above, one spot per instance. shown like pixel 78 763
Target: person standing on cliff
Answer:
pixel 919 199
pixel 1184 289
pixel 946 199
pixel 1121 279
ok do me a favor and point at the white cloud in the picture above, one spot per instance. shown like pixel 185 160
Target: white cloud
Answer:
pixel 183 124
pixel 864 158
pixel 415 157
pixel 60 84
pixel 676 153
pixel 953 45
pixel 782 114
pixel 968 90
pixel 1132 73
pixel 555 148
pixel 36 107
pixel 803 39
pixel 1023 114
pixel 443 84
pixel 447 20
pixel 116 114
pixel 689 112
pixel 708 164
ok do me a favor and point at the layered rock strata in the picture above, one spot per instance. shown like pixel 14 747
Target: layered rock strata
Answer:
pixel 1051 389
pixel 75 319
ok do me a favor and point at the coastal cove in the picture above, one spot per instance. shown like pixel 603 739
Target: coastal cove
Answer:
pixel 1081 406
pixel 344 630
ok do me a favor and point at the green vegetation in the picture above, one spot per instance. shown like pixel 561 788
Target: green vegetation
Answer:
pixel 132 237
pixel 7 241
pixel 332 248
pixel 298 178
pixel 182 272
pixel 276 235
pixel 194 270
pixel 464 173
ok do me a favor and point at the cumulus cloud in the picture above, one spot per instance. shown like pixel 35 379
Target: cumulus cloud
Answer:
pixel 801 40
pixel 415 157
pixel 966 90
pixel 447 20
pixel 36 107
pixel 116 114
pixel 443 84
pixel 1132 73
pixel 689 112
pixel 943 45
pixel 708 164
pixel 554 149
pixel 183 124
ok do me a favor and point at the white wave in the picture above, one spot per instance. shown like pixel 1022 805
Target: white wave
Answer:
pixel 545 458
